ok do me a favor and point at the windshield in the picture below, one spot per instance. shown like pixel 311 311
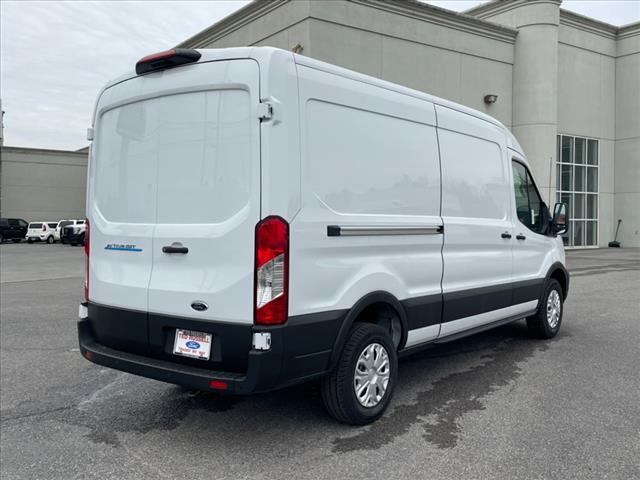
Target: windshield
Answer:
pixel 65 223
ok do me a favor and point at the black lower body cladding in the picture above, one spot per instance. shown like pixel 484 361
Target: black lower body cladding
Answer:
pixel 142 343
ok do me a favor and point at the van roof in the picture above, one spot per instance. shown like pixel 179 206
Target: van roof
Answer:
pixel 265 55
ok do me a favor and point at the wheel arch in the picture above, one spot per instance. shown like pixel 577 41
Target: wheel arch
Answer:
pixel 558 272
pixel 381 298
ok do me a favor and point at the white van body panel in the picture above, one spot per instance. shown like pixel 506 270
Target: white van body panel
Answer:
pixel 475 202
pixel 384 145
pixel 191 177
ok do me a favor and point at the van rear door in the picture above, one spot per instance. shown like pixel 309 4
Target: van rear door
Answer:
pixel 176 164
pixel 208 199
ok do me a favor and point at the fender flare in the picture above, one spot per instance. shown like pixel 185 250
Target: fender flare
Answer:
pixel 356 310
pixel 554 268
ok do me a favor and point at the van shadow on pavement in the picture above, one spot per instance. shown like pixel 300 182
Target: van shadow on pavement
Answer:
pixel 120 406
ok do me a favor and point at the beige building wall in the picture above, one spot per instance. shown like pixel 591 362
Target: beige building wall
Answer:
pixel 587 99
pixel 43 184
pixel 553 71
pixel 627 144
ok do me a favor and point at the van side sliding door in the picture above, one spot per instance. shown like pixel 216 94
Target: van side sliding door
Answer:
pixel 476 203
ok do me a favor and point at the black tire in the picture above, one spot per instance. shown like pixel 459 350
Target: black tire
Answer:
pixel 81 241
pixel 50 240
pixel 74 244
pixel 30 240
pixel 337 388
pixel 541 325
pixel 16 240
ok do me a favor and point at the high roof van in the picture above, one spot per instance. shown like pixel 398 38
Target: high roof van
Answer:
pixel 258 219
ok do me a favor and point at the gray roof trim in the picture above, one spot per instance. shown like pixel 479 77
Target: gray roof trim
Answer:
pixel 14 149
pixel 588 24
pixel 496 7
pixel 630 30
pixel 230 23
pixel 411 8
pixel 444 17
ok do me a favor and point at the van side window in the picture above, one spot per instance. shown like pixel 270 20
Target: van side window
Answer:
pixel 13 222
pixel 530 208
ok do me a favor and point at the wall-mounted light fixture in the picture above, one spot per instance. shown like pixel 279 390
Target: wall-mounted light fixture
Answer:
pixel 490 98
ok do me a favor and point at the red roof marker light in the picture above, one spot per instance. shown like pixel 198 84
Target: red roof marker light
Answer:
pixel 167 59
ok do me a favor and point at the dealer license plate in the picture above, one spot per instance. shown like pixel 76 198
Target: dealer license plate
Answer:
pixel 192 344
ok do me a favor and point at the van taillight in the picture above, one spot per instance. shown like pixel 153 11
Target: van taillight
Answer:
pixel 271 271
pixel 87 250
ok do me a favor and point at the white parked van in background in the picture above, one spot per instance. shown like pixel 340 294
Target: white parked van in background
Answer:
pixel 258 219
pixel 40 232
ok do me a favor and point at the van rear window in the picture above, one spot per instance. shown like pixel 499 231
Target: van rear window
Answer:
pixel 177 159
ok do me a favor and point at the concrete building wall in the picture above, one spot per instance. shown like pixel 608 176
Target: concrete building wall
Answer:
pixel 627 143
pixel 441 53
pixel 43 184
pixel 555 72
pixel 586 102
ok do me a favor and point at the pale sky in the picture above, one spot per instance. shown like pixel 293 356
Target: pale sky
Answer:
pixel 56 55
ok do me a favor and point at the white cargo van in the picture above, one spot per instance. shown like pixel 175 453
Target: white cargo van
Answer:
pixel 258 219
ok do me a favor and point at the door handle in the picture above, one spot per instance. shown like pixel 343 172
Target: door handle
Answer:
pixel 174 249
pixel 520 237
pixel 506 235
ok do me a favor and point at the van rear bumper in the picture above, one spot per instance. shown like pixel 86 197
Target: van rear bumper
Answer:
pixel 300 351
pixel 259 375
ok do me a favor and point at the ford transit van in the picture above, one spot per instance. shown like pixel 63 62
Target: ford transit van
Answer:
pixel 257 219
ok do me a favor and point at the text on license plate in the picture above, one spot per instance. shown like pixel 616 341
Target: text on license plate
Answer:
pixel 192 344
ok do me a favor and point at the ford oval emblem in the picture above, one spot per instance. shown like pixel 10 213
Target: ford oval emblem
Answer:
pixel 199 306
pixel 192 344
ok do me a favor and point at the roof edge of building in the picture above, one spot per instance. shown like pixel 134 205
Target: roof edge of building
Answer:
pixel 445 17
pixel 495 7
pixel 413 8
pixel 629 30
pixel 13 148
pixel 231 22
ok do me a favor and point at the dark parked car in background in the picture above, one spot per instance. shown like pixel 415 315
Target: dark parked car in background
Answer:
pixel 12 229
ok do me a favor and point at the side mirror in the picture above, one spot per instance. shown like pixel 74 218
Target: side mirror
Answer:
pixel 560 221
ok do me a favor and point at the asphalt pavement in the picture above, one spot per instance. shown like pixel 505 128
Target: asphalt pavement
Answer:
pixel 495 405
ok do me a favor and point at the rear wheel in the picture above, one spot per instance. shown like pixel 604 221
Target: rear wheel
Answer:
pixel 81 241
pixel 16 240
pixel 50 240
pixel 359 389
pixel 30 240
pixel 546 322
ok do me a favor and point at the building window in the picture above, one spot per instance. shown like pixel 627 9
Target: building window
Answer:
pixel 577 186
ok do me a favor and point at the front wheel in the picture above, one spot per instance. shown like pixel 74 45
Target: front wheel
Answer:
pixel 546 322
pixel 359 389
